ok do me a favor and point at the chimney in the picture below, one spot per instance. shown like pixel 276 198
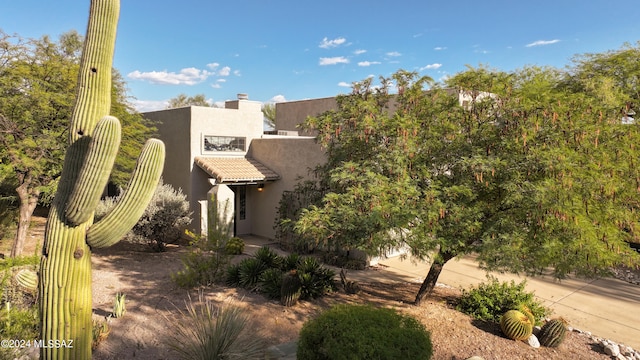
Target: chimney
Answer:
pixel 243 96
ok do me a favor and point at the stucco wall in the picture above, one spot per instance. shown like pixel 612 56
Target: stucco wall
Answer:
pixel 291 158
pixel 290 114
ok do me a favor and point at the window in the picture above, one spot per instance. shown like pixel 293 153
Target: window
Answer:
pixel 242 194
pixel 224 143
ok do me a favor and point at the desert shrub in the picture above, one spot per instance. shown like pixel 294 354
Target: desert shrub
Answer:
pixel 209 332
pixel 232 275
pixel 290 262
pixel 271 282
pixel 162 222
pixel 18 323
pixel 249 272
pixel 363 332
pixel 270 258
pixel 234 246
pixel 204 264
pixel 315 279
pixel 99 332
pixel 488 301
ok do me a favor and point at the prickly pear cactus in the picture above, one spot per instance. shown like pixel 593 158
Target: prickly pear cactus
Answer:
pixel 291 289
pixel 553 332
pixel 516 325
pixel 70 235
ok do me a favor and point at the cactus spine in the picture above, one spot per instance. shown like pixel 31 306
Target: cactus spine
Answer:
pixel 516 325
pixel 552 333
pixel 291 289
pixel 94 137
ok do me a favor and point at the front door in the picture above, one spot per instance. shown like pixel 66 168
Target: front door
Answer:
pixel 242 222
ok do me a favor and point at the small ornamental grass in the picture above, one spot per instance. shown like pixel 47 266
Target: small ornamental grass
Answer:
pixel 207 331
pixel 363 332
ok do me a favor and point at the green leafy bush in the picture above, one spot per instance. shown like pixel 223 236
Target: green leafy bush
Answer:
pixel 363 332
pixel 209 332
pixel 488 301
pixel 290 262
pixel 205 264
pixel 234 246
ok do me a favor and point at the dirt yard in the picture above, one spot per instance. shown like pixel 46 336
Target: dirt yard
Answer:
pixel 153 300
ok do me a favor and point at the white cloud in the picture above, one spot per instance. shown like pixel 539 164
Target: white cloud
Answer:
pixel 221 80
pixel 327 44
pixel 216 86
pixel 439 48
pixel 237 73
pixel 225 71
pixel 542 42
pixel 149 105
pixel 213 66
pixel 277 99
pixel 334 60
pixel 394 53
pixel 431 67
pixel 344 84
pixel 368 63
pixel 359 51
pixel 187 76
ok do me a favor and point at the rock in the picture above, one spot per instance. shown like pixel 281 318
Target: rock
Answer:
pixel 533 341
pixel 611 349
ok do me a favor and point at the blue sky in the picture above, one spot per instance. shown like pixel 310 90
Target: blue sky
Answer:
pixel 281 50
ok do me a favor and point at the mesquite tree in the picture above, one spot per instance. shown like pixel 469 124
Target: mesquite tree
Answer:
pixel 94 137
pixel 523 171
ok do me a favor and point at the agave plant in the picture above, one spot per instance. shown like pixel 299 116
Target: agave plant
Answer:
pixel 207 331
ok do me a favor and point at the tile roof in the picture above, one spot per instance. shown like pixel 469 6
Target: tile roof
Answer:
pixel 235 169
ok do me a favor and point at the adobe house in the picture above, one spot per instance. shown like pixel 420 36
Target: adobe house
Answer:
pixel 224 152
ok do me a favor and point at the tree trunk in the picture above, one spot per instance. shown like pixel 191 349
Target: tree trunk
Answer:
pixel 439 259
pixel 28 202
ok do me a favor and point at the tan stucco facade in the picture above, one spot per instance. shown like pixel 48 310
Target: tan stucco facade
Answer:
pixel 292 157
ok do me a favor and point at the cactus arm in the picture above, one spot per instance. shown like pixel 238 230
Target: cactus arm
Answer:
pixel 94 174
pixel 128 210
pixel 93 100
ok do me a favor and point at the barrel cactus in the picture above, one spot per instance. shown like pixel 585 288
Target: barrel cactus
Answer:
pixel 27 279
pixel 553 332
pixel 71 235
pixel 516 325
pixel 291 289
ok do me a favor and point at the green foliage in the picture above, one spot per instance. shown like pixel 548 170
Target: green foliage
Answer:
pixel 182 100
pixel 119 305
pixel 516 325
pixel 99 332
pixel 553 333
pixel 204 264
pixel 271 283
pixel 264 272
pixel 209 332
pixel 234 246
pixel 363 332
pixel 163 220
pixel 315 280
pixel 488 301
pixel 268 257
pixel 290 262
pixel 18 323
pixel 232 275
pixel 529 169
pixel 249 272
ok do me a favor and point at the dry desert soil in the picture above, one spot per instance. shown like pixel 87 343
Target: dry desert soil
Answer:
pixel 153 301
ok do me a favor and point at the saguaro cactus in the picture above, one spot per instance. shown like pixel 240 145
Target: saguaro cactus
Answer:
pixel 94 137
